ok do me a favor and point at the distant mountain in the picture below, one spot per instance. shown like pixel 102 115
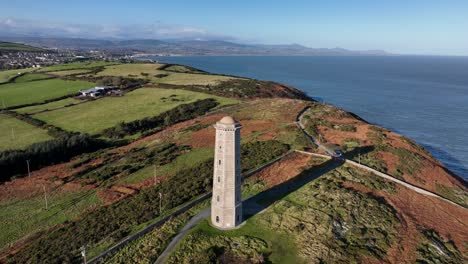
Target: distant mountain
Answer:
pixel 186 47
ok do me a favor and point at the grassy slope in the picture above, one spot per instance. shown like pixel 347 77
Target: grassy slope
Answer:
pixel 5 76
pixel 383 150
pixel 247 112
pixel 95 116
pixel 150 70
pixel 31 77
pixel 10 46
pixel 305 228
pixel 68 72
pixel 22 136
pixel 26 216
pixel 14 94
pixel 76 65
pixel 186 160
pixel 48 106
pixel 132 70
pixel 188 78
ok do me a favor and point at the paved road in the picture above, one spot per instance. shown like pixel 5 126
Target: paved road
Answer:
pixel 311 138
pixel 146 230
pixel 378 173
pixel 252 207
pixel 193 222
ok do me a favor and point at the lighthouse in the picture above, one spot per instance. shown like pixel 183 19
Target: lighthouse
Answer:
pixel 226 203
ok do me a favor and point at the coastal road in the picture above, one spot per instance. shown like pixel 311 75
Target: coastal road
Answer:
pixel 364 167
pixel 308 135
pixel 252 207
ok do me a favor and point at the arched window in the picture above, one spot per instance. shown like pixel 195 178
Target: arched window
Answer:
pixel 217 219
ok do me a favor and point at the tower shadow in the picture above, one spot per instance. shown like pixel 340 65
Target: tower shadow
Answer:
pixel 355 152
pixel 261 201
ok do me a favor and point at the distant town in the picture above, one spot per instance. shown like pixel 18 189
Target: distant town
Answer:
pixel 19 56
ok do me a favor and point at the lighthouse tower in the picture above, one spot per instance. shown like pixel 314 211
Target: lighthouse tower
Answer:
pixel 226 203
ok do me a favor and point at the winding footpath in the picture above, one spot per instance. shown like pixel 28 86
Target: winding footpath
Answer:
pixel 175 241
pixel 252 205
pixel 364 167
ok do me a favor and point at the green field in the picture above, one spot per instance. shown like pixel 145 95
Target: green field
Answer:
pixel 27 216
pixel 69 72
pixel 150 71
pixel 10 46
pixel 16 134
pixel 14 94
pixel 49 106
pixel 5 76
pixel 76 65
pixel 132 70
pixel 93 117
pixel 189 79
pixel 28 77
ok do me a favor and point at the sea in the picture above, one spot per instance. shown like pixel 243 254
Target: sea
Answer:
pixel 422 97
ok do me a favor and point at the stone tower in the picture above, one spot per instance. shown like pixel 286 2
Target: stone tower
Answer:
pixel 226 203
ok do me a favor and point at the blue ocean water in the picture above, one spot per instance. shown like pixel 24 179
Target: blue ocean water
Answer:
pixel 422 97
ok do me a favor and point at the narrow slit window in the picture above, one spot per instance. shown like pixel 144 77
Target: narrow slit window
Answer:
pixel 217 219
pixel 217 198
pixel 219 162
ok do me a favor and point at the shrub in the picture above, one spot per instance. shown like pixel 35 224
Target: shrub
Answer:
pixel 116 220
pixel 13 162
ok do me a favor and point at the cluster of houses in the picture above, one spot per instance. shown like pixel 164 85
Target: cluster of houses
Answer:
pixel 99 91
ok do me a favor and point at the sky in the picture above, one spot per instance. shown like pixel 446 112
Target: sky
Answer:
pixel 435 27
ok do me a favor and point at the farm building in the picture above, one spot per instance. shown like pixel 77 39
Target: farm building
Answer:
pixel 99 91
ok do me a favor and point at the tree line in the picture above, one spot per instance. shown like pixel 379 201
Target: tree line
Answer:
pixel 61 149
pixel 153 124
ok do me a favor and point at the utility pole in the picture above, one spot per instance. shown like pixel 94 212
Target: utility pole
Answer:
pixel 154 174
pixel 29 171
pixel 160 203
pixel 45 197
pixel 83 253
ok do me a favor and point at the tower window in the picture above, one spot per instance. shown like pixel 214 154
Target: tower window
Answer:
pixel 217 198
pixel 219 162
pixel 217 219
pixel 219 179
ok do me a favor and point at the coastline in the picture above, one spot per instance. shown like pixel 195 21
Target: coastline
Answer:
pixel 404 116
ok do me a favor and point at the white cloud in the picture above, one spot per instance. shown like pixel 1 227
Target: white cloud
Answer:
pixel 156 30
